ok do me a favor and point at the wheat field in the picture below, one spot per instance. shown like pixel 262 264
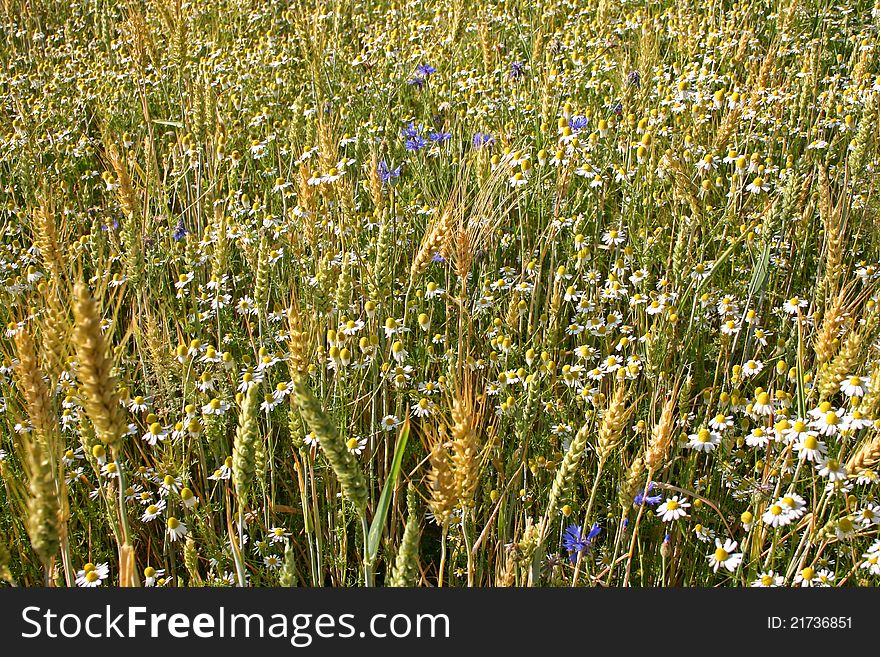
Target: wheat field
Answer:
pixel 444 294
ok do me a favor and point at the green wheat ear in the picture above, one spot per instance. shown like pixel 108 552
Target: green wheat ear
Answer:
pixel 344 464
pixel 245 446
pixel 406 564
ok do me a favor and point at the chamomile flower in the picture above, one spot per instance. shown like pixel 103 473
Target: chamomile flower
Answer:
pixel 721 422
pixel 794 305
pixel 152 575
pixel 827 424
pixel 831 469
pixel 279 535
pixel 155 433
pixel 758 437
pixel 776 516
pixel 725 556
pixel 153 511
pixel 768 579
pixel 92 575
pixel 176 529
pixel 673 509
pixel 704 440
pixel 855 386
pixel 810 448
pixel 356 445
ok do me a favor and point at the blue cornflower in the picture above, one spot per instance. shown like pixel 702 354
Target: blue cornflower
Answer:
pixel 426 70
pixel 410 131
pixel 634 79
pixel 440 137
pixel 483 139
pixel 179 231
pixel 575 542
pixel 417 81
pixel 644 498
pixel 578 122
pixel 437 258
pixel 415 143
pixel 517 69
pixel 387 175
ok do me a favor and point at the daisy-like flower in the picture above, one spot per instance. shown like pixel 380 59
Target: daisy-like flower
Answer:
pixel 721 422
pixel 844 528
pixel 356 445
pixel 433 290
pixel 869 515
pixel 704 534
pixel 176 529
pixel 398 352
pixel 282 390
pixel 763 404
pixel 139 404
pixel 272 561
pixel 757 185
pixel 871 558
pixel 769 579
pixel 422 408
pixel 795 431
pixel 810 448
pixel 806 578
pixel 758 437
pixel 151 575
pixel 188 498
pixel 673 509
pixel 828 424
pixel 793 306
pixel 824 578
pixel 832 469
pixel 725 555
pixel 704 440
pixel 855 421
pixel 92 575
pixel 389 423
pixel 752 368
pixel 613 236
pixel 793 504
pixel 311 439
pixel 153 511
pixel 279 535
pixel 855 386
pixel 110 470
pixel 215 407
pixel 776 516
pixel 155 433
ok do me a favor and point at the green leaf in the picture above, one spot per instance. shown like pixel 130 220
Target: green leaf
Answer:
pixel 378 524
pixel 760 272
